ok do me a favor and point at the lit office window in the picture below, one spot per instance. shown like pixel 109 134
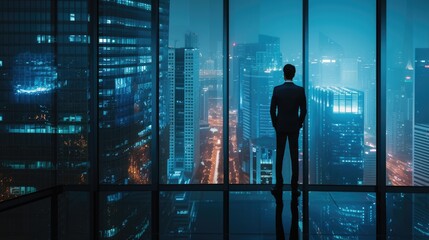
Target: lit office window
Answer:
pixel 263 38
pixel 341 92
pixel 190 103
pixel 125 85
pixel 407 118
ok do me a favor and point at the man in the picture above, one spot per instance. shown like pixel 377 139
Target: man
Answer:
pixel 287 99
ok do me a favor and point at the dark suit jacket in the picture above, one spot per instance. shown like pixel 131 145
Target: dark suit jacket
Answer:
pixel 287 99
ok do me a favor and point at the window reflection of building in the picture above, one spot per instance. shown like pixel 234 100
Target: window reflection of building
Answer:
pixel 421 118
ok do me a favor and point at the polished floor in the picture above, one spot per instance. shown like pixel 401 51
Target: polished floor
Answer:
pixel 200 215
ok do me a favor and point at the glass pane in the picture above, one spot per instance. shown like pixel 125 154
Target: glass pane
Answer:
pixel 342 93
pixel 73 216
pixel 255 215
pixel 191 215
pixel 30 221
pixel 407 216
pixel 342 215
pixel 125 215
pixel 43 95
pixel 125 83
pixel 407 127
pixel 191 76
pixel 259 48
pixel 71 97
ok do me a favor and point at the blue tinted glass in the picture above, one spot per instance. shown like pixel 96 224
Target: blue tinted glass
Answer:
pixel 125 83
pixel 407 216
pixel 342 215
pixel 43 95
pixel 74 216
pixel 341 92
pixel 263 38
pixel 30 221
pixel 191 214
pixel 407 118
pixel 191 92
pixel 125 215
pixel 257 215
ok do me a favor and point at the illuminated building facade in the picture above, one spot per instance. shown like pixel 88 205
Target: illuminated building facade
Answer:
pixel 337 127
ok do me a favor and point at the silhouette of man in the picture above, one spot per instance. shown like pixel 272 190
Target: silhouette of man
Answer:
pixel 287 99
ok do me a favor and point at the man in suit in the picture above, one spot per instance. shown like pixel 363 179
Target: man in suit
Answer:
pixel 287 99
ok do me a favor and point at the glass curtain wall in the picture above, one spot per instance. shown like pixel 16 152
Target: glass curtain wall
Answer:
pixel 191 100
pixel 262 39
pixel 407 118
pixel 341 92
pixel 44 95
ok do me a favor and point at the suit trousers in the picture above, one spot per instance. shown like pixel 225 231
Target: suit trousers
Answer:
pixel 281 139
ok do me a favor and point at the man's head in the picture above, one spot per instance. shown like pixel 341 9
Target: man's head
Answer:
pixel 289 71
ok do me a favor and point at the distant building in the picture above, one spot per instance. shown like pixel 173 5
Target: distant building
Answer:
pixel 183 74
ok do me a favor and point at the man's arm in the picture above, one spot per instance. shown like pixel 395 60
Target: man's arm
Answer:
pixel 273 108
pixel 302 108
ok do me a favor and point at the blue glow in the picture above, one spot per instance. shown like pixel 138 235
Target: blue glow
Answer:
pixel 34 74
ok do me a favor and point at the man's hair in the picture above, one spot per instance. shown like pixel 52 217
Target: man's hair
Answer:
pixel 289 71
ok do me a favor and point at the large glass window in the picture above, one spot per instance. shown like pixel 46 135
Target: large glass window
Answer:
pixel 407 216
pixel 191 99
pixel 255 214
pixel 191 215
pixel 43 95
pixel 125 215
pixel 263 37
pixel 342 93
pixel 407 118
pixel 124 97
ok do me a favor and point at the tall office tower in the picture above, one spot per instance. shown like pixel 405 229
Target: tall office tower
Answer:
pixel 331 54
pixel 183 73
pixel 256 69
pixel 258 79
pixel 263 161
pixel 44 83
pixel 336 150
pixel 125 85
pixel 421 118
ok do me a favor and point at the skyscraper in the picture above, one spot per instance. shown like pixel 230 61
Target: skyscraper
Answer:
pixel 125 83
pixel 256 69
pixel 183 74
pixel 336 131
pixel 44 85
pixel 421 118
